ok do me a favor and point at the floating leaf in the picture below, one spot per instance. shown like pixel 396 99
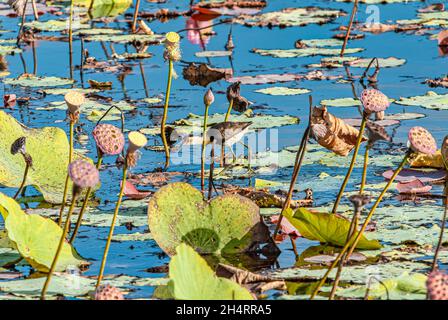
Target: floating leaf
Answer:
pixel 282 91
pixel 326 228
pixel 49 149
pixel 414 187
pixel 29 80
pixel 104 8
pixel 177 213
pixel 127 38
pixel 408 175
pixel 383 62
pixel 54 25
pixel 305 52
pixel 211 54
pixel 36 238
pixel 431 100
pixel 266 78
pixel 192 279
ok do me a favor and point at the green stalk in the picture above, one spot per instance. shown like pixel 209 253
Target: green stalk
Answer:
pixel 442 229
pixel 357 235
pixel 86 201
pixel 70 158
pixel 204 129
pixel 70 39
pixel 59 249
pixel 165 114
pixel 352 165
pixel 22 185
pixel 228 111
pixel 364 170
pixel 112 226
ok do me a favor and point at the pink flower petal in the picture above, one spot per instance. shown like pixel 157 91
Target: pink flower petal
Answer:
pixel 414 186
pixel 286 227
pixel 131 192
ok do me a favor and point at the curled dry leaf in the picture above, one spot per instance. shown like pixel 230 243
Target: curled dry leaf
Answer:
pixel 442 38
pixel 428 161
pixel 414 187
pixel 333 133
pixel 9 100
pixel 203 74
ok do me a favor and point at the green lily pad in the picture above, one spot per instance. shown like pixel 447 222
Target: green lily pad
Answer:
pixel 290 17
pixel 36 238
pixel 9 50
pixel 126 38
pixel 33 81
pixel 431 100
pixel 383 62
pixel 96 31
pixel 49 149
pixel 211 54
pixel 326 228
pixel 54 25
pixel 177 213
pixel 341 102
pixel 192 279
pixel 63 91
pixel 282 91
pixel 305 52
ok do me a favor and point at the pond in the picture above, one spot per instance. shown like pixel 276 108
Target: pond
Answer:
pixel 139 86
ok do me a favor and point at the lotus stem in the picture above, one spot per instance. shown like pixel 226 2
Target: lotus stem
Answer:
pixel 22 185
pixel 352 164
pixel 364 170
pixel 165 114
pixel 349 28
pixel 84 205
pixel 442 229
pixel 357 235
pixel 70 39
pixel 59 249
pixel 22 23
pixel 67 178
pixel 212 167
pixel 204 129
pixel 228 111
pixel 36 14
pixel 112 225
pixel 134 20
pixel 297 166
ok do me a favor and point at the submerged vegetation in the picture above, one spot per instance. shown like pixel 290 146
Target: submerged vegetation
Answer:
pixel 310 171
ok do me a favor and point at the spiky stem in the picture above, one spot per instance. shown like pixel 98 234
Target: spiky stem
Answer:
pixel 59 249
pixel 357 235
pixel 112 225
pixel 204 129
pixel 84 205
pixel 134 20
pixel 25 175
pixel 352 164
pixel 165 114
pixel 364 170
pixel 67 178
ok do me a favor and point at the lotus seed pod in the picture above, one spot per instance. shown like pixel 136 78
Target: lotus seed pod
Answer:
pixel 444 150
pixel 209 97
pixel 420 140
pixel 83 174
pixel 18 146
pixel 379 116
pixel 376 133
pixel 109 139
pixel 230 45
pixel 74 100
pixel 136 141
pixel 172 50
pixel 107 292
pixel 359 201
pixel 437 285
pixel 374 101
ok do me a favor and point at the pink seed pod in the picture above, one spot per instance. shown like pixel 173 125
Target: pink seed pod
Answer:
pixel 83 174
pixel 108 292
pixel 420 140
pixel 437 285
pixel 109 139
pixel 374 100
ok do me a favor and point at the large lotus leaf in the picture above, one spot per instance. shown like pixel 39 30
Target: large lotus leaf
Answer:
pixel 282 91
pixel 27 80
pixel 36 238
pixel 229 223
pixel 49 149
pixel 431 100
pixel 104 8
pixel 326 228
pixel 305 52
pixel 405 287
pixel 191 278
pixel 290 17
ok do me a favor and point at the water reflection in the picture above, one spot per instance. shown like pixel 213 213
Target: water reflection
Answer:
pixel 200 29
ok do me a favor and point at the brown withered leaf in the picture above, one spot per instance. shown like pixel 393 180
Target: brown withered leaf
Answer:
pixel 233 3
pixel 333 133
pixel 438 82
pixel 100 85
pixel 265 199
pixel 203 74
pixel 156 179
